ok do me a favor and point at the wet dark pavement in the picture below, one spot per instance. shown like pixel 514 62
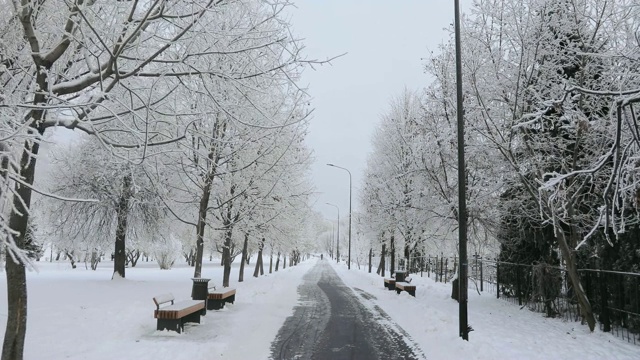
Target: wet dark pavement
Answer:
pixel 335 322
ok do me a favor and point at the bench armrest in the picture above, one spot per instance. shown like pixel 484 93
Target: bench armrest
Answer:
pixel 163 299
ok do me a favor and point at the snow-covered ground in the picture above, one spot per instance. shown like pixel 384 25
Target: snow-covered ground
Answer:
pixel 501 329
pixel 82 314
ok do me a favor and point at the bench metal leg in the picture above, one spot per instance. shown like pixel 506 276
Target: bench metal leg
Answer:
pixel 398 290
pixel 170 324
pixel 231 299
pixel 214 304
pixel 192 318
pixel 412 292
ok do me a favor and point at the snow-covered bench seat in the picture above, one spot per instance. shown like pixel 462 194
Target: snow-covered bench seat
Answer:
pixel 404 286
pixel 390 283
pixel 173 317
pixel 217 298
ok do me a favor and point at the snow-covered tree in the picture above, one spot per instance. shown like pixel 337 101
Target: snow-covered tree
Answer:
pixel 116 70
pixel 522 65
pixel 123 206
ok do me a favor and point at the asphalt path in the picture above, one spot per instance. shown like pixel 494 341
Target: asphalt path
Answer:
pixel 336 322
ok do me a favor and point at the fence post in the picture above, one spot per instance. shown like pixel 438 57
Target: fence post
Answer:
pixel 475 268
pixel 428 264
pixel 604 300
pixel 518 285
pixel 481 277
pixel 446 269
pixel 497 280
pixel 435 268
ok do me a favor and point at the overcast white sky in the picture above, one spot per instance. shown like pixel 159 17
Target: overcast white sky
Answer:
pixel 387 42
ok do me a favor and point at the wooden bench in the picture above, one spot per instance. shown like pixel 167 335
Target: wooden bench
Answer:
pixel 390 283
pixel 217 298
pixel 173 317
pixel 404 286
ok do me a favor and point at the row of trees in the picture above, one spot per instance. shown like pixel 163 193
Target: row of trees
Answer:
pixel 188 123
pixel 551 138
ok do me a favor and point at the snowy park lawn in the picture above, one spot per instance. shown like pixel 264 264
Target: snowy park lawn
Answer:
pixel 82 314
pixel 501 330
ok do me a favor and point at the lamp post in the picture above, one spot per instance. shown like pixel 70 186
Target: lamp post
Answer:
pixel 350 187
pixel 462 189
pixel 333 232
pixel 338 241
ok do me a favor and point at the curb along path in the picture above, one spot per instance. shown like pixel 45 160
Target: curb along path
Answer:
pixel 334 322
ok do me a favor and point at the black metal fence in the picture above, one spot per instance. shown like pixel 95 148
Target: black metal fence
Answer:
pixel 614 295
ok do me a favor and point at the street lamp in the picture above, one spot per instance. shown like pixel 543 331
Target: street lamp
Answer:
pixel 339 167
pixel 462 189
pixel 338 241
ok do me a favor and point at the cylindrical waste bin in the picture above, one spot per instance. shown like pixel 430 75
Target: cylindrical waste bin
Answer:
pixel 200 291
pixel 400 275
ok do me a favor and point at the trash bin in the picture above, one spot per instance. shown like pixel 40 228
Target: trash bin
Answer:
pixel 400 275
pixel 200 291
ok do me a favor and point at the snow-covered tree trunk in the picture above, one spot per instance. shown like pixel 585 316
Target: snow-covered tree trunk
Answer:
pixel 226 256
pixel 259 270
pixel 245 258
pixel 13 346
pixel 122 217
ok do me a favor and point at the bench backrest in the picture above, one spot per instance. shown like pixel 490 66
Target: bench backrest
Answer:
pixel 163 299
pixel 211 288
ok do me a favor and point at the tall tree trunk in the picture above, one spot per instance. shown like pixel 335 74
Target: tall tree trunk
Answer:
pixel 392 250
pixel 202 218
pixel 219 128
pixel 407 258
pixel 370 256
pixel 277 262
pixel 568 255
pixel 261 265
pixel 228 246
pixel 16 329
pixel 381 271
pixel 226 256
pixel 122 213
pixel 284 260
pixel 244 257
pixel 259 260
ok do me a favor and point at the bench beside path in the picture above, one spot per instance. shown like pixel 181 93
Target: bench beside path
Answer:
pixel 173 317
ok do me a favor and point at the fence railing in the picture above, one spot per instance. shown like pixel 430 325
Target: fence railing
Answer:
pixel 614 295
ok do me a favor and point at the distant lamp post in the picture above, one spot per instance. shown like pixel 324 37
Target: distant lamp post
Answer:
pixel 350 187
pixel 338 241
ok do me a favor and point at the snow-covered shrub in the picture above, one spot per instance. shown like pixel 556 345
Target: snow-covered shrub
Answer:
pixel 166 251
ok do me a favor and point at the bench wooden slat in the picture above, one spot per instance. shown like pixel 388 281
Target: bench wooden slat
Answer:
pixel 405 286
pixel 222 294
pixel 179 310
